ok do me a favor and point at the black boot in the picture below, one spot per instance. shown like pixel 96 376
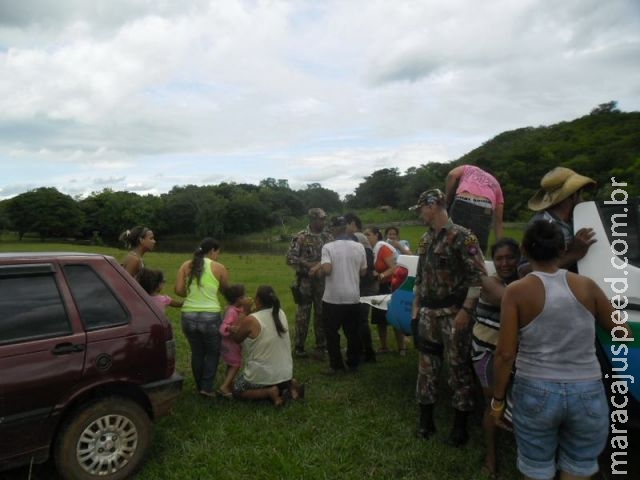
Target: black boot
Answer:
pixel 459 435
pixel 427 427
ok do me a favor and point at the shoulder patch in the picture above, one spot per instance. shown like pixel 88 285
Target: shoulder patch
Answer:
pixel 471 244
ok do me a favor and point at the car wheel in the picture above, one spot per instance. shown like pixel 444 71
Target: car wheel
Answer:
pixel 106 439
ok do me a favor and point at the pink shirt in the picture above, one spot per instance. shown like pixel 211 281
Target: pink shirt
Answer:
pixel 231 351
pixel 163 301
pixel 476 181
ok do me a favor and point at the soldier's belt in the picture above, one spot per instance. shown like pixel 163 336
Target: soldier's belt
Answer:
pixel 453 300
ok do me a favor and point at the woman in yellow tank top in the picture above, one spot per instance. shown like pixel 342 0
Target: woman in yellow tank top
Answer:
pixel 200 280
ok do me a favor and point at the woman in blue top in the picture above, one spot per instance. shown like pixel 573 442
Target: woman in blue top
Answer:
pixel 199 280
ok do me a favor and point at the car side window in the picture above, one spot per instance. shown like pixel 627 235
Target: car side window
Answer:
pixel 98 306
pixel 31 308
pixel 622 223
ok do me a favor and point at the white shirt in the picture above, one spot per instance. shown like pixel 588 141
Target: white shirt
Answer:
pixel 347 258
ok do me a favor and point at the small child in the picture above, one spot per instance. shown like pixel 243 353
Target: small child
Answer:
pixel 238 304
pixel 152 281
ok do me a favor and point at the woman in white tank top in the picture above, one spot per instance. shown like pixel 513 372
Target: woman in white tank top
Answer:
pixel 547 326
pixel 266 349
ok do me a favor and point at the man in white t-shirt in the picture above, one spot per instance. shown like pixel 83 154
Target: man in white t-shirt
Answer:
pixel 343 262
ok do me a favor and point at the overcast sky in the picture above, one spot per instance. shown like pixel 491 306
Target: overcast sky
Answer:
pixel 144 95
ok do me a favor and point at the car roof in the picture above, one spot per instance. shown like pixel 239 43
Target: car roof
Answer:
pixel 43 255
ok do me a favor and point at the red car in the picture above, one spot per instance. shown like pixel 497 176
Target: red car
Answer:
pixel 87 362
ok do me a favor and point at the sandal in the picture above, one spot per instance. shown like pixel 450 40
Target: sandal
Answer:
pixel 225 395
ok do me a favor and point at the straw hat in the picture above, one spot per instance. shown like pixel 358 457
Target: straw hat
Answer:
pixel 557 185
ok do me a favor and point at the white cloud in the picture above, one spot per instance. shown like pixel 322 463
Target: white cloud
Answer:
pixel 146 95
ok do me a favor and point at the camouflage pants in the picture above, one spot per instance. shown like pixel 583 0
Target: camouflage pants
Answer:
pixel 312 290
pixel 445 344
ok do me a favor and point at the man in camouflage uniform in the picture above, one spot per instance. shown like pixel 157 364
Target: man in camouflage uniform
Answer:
pixel 305 252
pixel 447 286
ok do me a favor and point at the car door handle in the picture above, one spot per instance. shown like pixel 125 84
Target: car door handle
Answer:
pixel 65 348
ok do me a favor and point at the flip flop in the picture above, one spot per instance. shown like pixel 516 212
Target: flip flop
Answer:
pixel 225 395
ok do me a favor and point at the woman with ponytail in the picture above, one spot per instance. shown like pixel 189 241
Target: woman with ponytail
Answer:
pixel 200 280
pixel 139 240
pixel 266 348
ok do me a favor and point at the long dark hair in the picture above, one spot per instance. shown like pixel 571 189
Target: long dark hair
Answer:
pixel 150 279
pixel 269 299
pixel 233 293
pixel 197 262
pixel 543 241
pixel 132 238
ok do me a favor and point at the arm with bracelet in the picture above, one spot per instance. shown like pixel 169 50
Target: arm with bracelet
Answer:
pixel 505 354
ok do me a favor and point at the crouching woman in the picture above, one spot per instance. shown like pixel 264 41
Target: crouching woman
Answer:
pixel 266 349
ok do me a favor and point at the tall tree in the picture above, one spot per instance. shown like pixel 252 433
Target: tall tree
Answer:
pixel 45 211
pixel 608 107
pixel 382 187
pixel 109 213
pixel 315 195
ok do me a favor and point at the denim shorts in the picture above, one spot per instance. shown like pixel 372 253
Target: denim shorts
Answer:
pixel 559 426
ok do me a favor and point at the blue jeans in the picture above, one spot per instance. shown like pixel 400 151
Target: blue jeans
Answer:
pixel 559 426
pixel 202 330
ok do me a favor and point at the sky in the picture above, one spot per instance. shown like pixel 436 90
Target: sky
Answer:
pixel 146 95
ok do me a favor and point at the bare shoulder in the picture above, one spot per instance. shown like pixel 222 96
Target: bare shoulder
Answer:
pixel 252 325
pixel 218 268
pixel 522 286
pixel 580 281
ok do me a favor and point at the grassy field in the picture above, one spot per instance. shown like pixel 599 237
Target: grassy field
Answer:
pixel 353 427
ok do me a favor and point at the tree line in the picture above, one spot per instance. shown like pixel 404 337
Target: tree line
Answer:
pixel 601 145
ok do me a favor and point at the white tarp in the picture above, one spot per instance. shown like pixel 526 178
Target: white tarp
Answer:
pixel 377 301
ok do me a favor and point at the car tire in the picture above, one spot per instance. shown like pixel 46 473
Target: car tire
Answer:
pixel 106 439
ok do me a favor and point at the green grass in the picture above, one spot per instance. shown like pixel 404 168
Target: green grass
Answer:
pixel 352 427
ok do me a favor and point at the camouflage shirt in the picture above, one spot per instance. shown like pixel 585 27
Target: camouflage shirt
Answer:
pixel 306 249
pixel 450 261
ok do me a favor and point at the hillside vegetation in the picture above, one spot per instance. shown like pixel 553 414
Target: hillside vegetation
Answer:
pixel 602 145
pixel 599 145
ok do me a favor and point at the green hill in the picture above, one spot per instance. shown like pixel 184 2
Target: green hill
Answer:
pixel 601 145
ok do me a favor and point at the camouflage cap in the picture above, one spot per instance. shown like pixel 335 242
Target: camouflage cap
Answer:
pixel 316 213
pixel 429 197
